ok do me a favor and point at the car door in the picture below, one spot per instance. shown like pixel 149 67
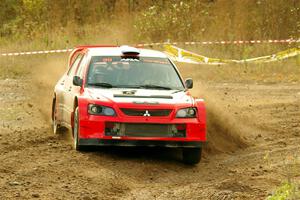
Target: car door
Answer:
pixel 68 85
pixel 59 99
pixel 76 90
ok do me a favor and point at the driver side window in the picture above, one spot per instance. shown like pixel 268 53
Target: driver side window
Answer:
pixel 74 65
pixel 80 68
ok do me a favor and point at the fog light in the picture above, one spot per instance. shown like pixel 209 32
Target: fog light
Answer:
pixel 180 126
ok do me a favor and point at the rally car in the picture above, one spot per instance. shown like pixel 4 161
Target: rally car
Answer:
pixel 128 96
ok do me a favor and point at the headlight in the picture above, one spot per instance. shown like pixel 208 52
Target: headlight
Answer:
pixel 94 109
pixel 186 113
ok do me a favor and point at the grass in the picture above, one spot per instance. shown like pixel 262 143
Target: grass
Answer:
pixel 11 68
pixel 289 189
pixel 286 191
pixel 287 71
pixel 27 66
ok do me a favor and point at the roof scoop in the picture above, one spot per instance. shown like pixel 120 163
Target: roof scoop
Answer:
pixel 128 50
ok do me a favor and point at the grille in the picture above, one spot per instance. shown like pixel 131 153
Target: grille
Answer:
pixel 147 130
pixel 142 112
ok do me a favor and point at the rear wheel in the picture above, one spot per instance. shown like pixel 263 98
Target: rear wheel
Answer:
pixel 76 130
pixel 191 156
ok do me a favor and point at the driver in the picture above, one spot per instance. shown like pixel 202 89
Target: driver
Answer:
pixel 98 74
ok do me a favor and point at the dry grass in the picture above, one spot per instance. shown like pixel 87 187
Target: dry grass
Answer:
pixel 287 71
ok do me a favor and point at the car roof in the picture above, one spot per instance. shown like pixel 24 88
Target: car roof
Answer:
pixel 117 51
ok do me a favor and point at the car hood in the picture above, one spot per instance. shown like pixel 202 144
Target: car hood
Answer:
pixel 151 96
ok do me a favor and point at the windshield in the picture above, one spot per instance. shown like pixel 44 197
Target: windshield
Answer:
pixel 139 72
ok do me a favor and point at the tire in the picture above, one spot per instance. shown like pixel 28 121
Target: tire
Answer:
pixel 56 128
pixel 191 156
pixel 76 130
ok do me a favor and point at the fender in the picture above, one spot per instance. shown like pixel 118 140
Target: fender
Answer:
pixel 201 111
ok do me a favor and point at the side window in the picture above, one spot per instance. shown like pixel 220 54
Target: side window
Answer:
pixel 81 66
pixel 74 65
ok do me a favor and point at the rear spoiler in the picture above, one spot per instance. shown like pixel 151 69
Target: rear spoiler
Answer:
pixel 94 46
pixel 81 47
pixel 126 50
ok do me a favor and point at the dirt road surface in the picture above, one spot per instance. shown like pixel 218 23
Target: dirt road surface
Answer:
pixel 36 164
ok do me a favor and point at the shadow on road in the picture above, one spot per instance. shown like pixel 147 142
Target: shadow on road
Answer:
pixel 139 154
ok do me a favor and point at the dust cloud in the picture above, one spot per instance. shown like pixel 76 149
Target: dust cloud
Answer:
pixel 225 132
pixel 44 77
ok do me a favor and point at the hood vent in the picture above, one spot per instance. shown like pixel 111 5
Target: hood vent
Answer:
pixel 149 97
pixel 149 112
pixel 129 92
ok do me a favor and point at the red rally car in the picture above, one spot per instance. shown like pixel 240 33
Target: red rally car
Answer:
pixel 127 96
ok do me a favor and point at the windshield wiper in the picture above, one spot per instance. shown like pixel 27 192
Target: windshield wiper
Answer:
pixel 176 91
pixel 149 86
pixel 103 84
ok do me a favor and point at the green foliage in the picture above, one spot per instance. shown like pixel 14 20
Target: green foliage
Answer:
pixel 284 192
pixel 158 23
pixel 38 19
pixel 215 20
pixel 9 10
pixel 65 23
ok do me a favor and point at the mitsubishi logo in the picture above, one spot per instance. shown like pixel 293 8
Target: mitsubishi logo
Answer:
pixel 147 114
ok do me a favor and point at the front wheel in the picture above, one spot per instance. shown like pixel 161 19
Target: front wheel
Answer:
pixel 76 144
pixel 191 156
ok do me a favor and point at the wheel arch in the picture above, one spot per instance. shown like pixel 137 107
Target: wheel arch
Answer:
pixel 75 105
pixel 200 104
pixel 53 106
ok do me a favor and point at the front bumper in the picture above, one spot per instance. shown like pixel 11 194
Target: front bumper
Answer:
pixel 144 143
pixel 195 131
pixel 94 128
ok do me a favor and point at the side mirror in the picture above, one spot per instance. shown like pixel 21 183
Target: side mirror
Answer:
pixel 189 83
pixel 77 81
